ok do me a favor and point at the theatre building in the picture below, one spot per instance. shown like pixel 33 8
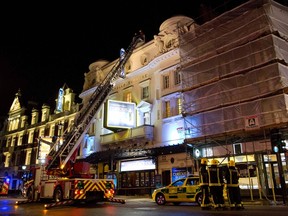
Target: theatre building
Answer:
pixel 216 90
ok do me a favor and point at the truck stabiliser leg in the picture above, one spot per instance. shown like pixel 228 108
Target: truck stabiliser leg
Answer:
pixel 24 202
pixel 122 201
pixel 67 202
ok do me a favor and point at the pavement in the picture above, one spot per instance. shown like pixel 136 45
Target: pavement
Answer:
pixel 245 200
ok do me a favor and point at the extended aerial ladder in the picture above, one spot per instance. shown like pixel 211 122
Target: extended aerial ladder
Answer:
pixel 60 155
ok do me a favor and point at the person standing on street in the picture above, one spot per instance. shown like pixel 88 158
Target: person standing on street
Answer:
pixel 204 184
pixel 216 184
pixel 233 190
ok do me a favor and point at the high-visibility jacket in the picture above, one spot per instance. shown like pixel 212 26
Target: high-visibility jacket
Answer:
pixel 203 176
pixel 232 177
pixel 215 174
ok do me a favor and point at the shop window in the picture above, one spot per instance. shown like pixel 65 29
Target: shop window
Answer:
pixel 137 179
pixel 142 182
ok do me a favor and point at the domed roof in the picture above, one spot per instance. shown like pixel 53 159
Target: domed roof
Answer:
pixel 98 64
pixel 174 21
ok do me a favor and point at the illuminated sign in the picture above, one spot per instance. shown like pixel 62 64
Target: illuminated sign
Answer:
pixel 197 152
pixel 180 172
pixel 146 164
pixel 122 55
pixel 44 148
pixel 60 100
pixel 120 114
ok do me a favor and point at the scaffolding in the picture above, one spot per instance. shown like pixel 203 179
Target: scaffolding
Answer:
pixel 234 71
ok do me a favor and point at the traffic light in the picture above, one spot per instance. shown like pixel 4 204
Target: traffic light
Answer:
pixel 277 141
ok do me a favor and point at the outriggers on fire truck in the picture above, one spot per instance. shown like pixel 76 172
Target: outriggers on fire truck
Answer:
pixel 62 177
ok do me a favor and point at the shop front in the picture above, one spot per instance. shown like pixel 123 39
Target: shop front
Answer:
pixel 136 177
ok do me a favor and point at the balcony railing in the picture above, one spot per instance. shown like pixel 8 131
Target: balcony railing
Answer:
pixel 143 132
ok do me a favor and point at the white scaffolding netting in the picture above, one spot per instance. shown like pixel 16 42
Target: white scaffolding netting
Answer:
pixel 234 68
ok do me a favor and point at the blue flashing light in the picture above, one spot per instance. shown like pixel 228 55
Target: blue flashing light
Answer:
pixel 8 180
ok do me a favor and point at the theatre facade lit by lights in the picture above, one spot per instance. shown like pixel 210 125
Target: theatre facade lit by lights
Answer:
pixel 215 90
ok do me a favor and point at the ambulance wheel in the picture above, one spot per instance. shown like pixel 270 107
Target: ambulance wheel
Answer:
pixel 160 199
pixel 58 195
pixel 199 198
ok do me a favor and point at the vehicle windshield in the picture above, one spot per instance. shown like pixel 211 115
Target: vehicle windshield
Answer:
pixel 178 183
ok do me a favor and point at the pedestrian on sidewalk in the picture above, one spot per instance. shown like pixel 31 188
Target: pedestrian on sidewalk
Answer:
pixel 233 190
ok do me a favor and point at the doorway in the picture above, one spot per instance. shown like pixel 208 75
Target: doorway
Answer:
pixel 166 177
pixel 273 178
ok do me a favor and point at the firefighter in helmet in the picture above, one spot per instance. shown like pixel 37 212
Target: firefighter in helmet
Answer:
pixel 204 184
pixel 216 184
pixel 233 189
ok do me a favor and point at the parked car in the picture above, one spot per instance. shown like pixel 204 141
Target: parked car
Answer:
pixel 182 190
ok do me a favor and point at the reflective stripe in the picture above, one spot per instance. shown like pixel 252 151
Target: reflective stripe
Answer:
pixel 90 185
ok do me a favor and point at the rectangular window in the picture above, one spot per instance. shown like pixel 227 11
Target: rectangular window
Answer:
pixel 20 141
pixel 17 159
pixel 179 105
pixel 145 92
pixel 167 109
pixel 207 152
pixel 177 77
pixel 52 133
pixel 30 139
pixel 147 118
pixel 33 120
pixel 28 157
pixel 237 147
pixel 13 141
pixel 128 97
pixel 42 132
pixel 7 160
pixel 165 82
pixel 8 143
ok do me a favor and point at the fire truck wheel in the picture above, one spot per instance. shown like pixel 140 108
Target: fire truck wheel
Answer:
pixel 58 195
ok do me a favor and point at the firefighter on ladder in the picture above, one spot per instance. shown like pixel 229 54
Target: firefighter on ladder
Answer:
pixel 216 184
pixel 233 189
pixel 204 184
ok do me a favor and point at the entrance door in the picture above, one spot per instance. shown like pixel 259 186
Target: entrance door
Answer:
pixel 166 177
pixel 273 178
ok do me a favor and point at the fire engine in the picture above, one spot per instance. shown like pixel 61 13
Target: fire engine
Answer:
pixel 62 177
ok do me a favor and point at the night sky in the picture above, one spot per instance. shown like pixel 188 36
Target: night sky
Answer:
pixel 45 45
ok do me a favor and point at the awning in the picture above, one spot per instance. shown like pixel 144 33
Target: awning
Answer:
pixel 120 154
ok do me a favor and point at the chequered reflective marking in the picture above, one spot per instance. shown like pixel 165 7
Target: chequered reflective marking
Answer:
pixel 90 185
